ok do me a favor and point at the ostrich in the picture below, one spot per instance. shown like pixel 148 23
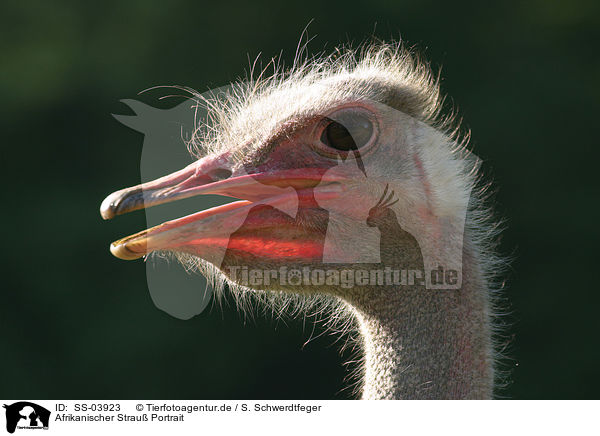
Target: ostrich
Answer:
pixel 328 137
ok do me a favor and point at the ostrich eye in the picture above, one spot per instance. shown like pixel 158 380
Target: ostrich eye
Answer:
pixel 347 132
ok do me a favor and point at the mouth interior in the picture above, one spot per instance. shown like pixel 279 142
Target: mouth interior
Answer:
pixel 178 222
pixel 272 239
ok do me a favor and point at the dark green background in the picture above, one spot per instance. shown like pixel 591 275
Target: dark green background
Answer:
pixel 76 322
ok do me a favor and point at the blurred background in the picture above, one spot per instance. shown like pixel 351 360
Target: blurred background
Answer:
pixel 76 322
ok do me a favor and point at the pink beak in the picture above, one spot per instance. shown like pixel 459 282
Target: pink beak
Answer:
pixel 198 232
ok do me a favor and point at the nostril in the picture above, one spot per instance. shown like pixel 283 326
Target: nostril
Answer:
pixel 219 174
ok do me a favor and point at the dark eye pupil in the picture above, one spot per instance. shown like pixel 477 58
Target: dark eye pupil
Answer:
pixel 347 135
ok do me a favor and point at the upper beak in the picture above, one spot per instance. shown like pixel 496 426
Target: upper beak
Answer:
pixel 209 175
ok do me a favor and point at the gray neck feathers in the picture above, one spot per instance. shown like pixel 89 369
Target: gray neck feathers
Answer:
pixel 427 344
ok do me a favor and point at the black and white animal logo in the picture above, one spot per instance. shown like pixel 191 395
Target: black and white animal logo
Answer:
pixel 26 415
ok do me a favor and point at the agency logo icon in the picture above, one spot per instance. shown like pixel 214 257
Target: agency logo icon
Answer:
pixel 26 415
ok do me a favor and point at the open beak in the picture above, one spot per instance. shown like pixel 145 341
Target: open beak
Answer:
pixel 210 229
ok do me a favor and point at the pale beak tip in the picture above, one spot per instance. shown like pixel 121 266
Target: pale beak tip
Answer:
pixel 121 251
pixel 107 208
pixel 119 202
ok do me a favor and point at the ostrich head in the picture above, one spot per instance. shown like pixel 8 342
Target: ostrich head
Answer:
pixel 318 156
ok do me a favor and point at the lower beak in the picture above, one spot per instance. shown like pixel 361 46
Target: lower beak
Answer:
pixel 204 231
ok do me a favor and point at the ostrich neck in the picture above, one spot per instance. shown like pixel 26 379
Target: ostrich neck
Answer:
pixel 427 344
